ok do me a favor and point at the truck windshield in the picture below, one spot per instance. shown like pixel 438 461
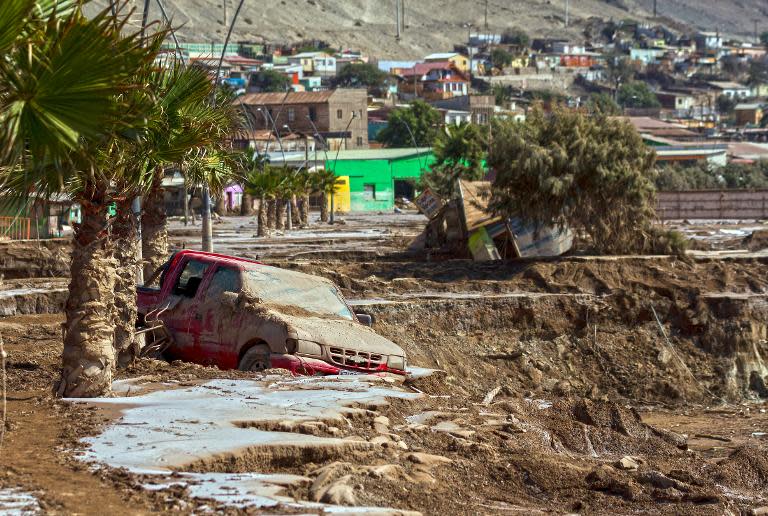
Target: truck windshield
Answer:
pixel 281 287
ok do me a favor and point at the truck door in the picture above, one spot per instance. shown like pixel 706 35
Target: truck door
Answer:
pixel 220 324
pixel 182 318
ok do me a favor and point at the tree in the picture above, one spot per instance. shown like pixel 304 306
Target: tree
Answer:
pixel 764 38
pixel 359 75
pixel 603 104
pixel 636 94
pixel 568 169
pixel 758 72
pixel 725 104
pixel 459 151
pixel 263 182
pixel 270 81
pixel 184 125
pixel 411 126
pixel 500 58
pixel 325 182
pixel 65 84
pixel 517 37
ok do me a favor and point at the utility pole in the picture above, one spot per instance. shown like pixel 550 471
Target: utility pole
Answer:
pixel 486 16
pixel 654 9
pixel 567 9
pixel 757 37
pixel 224 4
pixel 397 20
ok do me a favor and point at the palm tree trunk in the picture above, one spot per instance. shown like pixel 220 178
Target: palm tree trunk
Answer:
pixel 305 210
pixel 280 214
pixel 261 229
pixel 271 213
pixel 125 310
pixel 88 360
pixel 154 237
pixel 324 208
pixel 221 204
pixel 295 214
pixel 246 205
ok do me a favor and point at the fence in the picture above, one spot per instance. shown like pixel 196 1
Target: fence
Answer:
pixel 713 205
pixel 15 228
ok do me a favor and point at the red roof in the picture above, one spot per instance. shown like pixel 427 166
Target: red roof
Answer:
pixel 424 68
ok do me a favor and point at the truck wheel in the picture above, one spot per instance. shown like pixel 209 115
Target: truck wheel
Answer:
pixel 255 359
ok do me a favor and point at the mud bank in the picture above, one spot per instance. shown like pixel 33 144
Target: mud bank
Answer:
pixel 35 258
pixel 712 348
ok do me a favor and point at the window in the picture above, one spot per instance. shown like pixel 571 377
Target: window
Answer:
pixel 291 114
pixel 369 192
pixel 339 114
pixel 313 114
pixel 359 141
pixel 190 278
pixel 224 280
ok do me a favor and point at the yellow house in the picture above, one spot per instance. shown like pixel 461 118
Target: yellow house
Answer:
pixel 459 61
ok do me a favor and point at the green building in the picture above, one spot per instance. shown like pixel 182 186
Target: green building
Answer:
pixel 378 176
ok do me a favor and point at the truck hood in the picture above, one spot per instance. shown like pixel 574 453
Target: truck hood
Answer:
pixel 341 333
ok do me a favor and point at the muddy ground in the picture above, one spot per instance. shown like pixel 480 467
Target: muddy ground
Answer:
pixel 572 385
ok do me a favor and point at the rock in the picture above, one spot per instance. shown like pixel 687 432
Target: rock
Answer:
pixel 562 388
pixel 382 420
pixel 626 463
pixel 402 445
pixel 382 429
pixel 660 481
pixel 427 459
pixel 759 511
pixel 389 472
pixel 381 440
pixel 339 493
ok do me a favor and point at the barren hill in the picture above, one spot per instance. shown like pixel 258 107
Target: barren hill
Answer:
pixel 432 25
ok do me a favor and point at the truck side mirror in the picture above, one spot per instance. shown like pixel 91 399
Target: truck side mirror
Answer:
pixel 365 319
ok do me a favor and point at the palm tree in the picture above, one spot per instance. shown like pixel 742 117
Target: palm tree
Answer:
pixel 64 80
pixel 304 187
pixel 263 182
pixel 184 125
pixel 325 182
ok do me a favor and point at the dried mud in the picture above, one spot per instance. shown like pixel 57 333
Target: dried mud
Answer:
pixel 559 392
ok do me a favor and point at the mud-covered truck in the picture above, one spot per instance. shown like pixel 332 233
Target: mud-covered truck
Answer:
pixel 238 313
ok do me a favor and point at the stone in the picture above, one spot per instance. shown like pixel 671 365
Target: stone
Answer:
pixel 382 420
pixel 427 459
pixel 381 440
pixel 626 463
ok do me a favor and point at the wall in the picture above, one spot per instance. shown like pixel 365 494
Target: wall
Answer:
pixel 381 174
pixel 713 205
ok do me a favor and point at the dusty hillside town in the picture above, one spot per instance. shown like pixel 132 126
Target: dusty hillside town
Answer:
pixel 523 273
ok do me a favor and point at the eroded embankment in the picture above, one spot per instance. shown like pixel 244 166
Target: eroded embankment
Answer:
pixel 701 349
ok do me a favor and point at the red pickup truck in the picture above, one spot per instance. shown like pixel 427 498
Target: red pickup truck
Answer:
pixel 238 313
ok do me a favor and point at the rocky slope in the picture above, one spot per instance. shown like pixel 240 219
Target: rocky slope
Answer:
pixel 434 25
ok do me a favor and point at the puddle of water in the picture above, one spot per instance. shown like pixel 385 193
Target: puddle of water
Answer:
pixel 15 502
pixel 27 291
pixel 167 429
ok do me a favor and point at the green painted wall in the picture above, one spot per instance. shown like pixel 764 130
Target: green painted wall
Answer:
pixel 380 174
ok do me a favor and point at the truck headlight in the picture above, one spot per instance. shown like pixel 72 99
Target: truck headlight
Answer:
pixel 306 347
pixel 395 362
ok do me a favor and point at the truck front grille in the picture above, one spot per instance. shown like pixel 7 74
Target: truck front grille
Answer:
pixel 358 359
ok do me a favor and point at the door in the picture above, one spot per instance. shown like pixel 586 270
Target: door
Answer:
pixel 220 321
pixel 182 317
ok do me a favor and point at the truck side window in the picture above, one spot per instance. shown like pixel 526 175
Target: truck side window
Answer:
pixel 224 280
pixel 190 278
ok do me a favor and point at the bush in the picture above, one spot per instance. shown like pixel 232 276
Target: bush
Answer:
pixel 569 169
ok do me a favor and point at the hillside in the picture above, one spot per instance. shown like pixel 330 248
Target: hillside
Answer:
pixel 432 25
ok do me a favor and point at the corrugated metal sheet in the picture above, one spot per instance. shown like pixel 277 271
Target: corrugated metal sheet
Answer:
pixel 713 205
pixel 299 97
